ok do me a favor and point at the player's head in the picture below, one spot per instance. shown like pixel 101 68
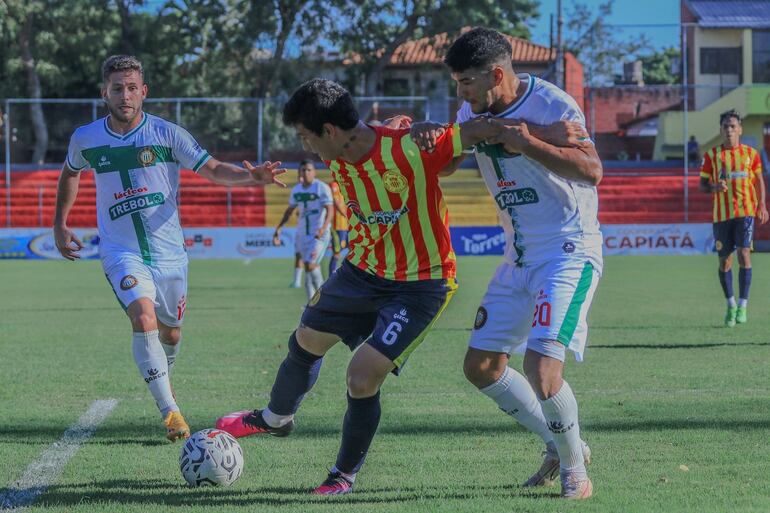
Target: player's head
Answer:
pixel 730 127
pixel 123 87
pixel 306 172
pixel 480 60
pixel 321 111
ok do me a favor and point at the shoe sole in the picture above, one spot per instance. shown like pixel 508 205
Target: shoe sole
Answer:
pixel 554 473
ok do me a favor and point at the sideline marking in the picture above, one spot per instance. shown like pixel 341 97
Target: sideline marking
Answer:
pixel 43 472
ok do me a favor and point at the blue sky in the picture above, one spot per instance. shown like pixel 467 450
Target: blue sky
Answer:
pixel 624 12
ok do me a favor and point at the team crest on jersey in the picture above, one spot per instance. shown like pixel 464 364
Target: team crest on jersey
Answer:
pixel 147 156
pixel 719 245
pixel 316 297
pixel 394 182
pixel 128 282
pixel 481 318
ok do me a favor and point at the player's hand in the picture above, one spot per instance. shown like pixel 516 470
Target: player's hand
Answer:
pixel 320 233
pixel 514 135
pixel 266 173
pixel 425 134
pixel 276 238
pixel 720 186
pixel 398 121
pixel 565 134
pixel 67 242
pixel 762 214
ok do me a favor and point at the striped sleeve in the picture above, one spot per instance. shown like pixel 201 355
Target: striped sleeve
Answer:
pixel 448 146
pixel 756 164
pixel 187 151
pixel 706 167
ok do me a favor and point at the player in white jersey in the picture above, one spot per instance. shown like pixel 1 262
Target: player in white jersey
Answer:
pixel 136 158
pixel 314 200
pixel 547 203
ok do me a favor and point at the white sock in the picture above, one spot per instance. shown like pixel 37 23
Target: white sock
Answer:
pixel 743 303
pixel 514 395
pixel 318 277
pixel 561 413
pixel 151 361
pixel 349 477
pixel 275 420
pixel 731 302
pixel 297 276
pixel 309 286
pixel 172 351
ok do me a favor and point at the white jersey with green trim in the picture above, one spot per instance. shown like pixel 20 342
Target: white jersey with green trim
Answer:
pixel 137 182
pixel 311 201
pixel 544 215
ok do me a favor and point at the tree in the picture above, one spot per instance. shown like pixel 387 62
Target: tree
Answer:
pixel 597 45
pixel 376 28
pixel 661 67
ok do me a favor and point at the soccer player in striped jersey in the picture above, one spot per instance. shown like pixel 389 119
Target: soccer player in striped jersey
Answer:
pixel 136 158
pixel 395 282
pixel 544 187
pixel 732 174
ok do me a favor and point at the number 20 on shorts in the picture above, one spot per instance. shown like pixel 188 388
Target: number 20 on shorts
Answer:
pixel 542 314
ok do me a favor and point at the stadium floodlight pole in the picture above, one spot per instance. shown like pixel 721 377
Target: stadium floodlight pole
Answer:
pixel 7 124
pixel 559 47
pixel 685 126
pixel 94 106
pixel 260 105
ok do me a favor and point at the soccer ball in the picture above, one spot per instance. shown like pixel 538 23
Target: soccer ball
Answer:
pixel 211 457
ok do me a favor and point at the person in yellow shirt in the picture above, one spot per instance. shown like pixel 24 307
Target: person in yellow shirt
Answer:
pixel 340 227
pixel 732 174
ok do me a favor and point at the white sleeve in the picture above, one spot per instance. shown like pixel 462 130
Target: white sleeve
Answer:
pixel 75 159
pixel 325 194
pixel 292 201
pixel 187 151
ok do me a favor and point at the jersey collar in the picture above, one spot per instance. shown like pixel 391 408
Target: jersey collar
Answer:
pixel 518 103
pixel 124 137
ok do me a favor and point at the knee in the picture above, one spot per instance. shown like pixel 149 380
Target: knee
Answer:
pixel 482 371
pixel 144 321
pixel 310 267
pixel 361 383
pixel 544 382
pixel 171 336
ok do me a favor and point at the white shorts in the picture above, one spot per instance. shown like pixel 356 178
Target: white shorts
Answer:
pixel 542 307
pixel 131 279
pixel 311 249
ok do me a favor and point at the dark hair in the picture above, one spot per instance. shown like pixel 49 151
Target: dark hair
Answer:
pixel 306 162
pixel 320 101
pixel 476 48
pixel 732 113
pixel 115 63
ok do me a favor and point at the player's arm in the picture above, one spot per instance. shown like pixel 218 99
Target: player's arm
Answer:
pixel 705 184
pixel 223 173
pixel 759 186
pixel 286 216
pixel 67 242
pixel 327 221
pixel 580 164
pixel 339 206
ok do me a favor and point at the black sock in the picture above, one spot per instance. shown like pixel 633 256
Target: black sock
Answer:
pixel 744 283
pixel 296 376
pixel 358 428
pixel 726 279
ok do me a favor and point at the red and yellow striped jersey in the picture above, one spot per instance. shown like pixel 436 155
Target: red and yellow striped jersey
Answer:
pixel 399 223
pixel 739 167
pixel 340 221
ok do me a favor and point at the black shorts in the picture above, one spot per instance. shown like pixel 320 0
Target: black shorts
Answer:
pixel 733 233
pixel 391 316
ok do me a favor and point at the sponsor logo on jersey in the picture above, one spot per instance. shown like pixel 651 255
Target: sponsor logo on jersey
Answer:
pixel 516 197
pixel 132 205
pixel 394 182
pixel 146 156
pixel 129 192
pixel 501 184
pixel 386 217
pixel 481 318
pixel 128 282
pixel 568 247
pixel 104 161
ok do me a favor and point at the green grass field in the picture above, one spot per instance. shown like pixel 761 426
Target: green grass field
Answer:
pixel 675 407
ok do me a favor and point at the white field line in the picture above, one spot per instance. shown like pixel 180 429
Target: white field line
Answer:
pixel 44 471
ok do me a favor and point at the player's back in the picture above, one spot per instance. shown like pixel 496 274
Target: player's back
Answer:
pixel 137 185
pixel 543 214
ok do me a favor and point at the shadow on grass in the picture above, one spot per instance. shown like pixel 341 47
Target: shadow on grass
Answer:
pixel 677 425
pixel 126 491
pixel 704 345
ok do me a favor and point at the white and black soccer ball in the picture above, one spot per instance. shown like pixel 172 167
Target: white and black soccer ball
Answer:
pixel 211 457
